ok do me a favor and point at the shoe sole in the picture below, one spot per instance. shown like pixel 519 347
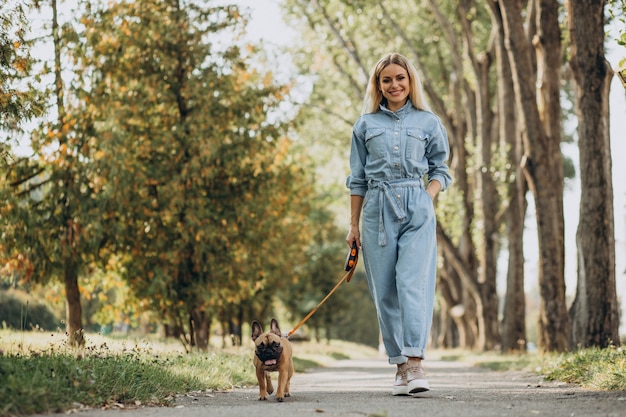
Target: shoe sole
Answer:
pixel 418 385
pixel 401 390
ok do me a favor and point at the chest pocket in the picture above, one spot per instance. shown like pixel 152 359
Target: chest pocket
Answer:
pixel 415 145
pixel 375 143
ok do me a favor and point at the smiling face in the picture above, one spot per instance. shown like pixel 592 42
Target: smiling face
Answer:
pixel 394 85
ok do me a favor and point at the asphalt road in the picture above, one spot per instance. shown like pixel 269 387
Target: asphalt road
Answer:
pixel 362 388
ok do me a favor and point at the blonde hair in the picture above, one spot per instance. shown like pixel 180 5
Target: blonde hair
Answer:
pixel 373 95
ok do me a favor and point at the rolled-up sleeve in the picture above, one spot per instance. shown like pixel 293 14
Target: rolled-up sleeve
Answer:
pixel 437 153
pixel 356 181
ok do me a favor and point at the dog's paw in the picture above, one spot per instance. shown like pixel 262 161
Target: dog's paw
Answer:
pixel 262 398
pixel 287 394
pixel 279 399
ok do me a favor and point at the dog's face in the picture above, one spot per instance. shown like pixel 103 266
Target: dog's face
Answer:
pixel 268 345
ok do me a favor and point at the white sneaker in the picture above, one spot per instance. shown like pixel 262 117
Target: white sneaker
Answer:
pixel 416 382
pixel 400 386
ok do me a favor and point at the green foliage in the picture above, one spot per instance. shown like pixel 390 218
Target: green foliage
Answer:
pixel 349 313
pixel 357 321
pixel 207 200
pixel 206 207
pixel 20 100
pixel 47 217
pixel 163 167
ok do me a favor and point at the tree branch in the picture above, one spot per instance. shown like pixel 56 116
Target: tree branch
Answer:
pixel 32 175
pixel 350 50
pixel 457 263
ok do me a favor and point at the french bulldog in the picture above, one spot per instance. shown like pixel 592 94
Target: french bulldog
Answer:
pixel 272 353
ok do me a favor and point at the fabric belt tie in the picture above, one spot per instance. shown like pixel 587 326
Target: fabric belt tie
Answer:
pixel 387 192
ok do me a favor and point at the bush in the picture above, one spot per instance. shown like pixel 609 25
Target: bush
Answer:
pixel 21 312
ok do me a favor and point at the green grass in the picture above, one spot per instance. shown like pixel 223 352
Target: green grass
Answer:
pixel 58 381
pixel 594 368
pixel 39 374
pixel 591 368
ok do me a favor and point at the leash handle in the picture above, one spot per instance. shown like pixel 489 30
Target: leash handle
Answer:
pixel 352 257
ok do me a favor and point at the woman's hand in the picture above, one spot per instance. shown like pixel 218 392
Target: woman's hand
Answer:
pixel 354 235
pixel 433 188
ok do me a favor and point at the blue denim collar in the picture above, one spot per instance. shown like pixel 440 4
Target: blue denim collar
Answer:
pixel 400 112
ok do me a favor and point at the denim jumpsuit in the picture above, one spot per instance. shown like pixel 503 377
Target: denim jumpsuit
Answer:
pixel 390 155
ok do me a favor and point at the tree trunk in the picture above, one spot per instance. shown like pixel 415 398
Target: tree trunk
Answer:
pixel 234 326
pixel 466 297
pixel 200 324
pixel 457 313
pixel 513 322
pixel 555 328
pixel 73 310
pixel 489 202
pixel 542 161
pixel 594 313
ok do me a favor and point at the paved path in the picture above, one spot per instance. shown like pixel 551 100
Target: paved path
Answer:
pixel 362 388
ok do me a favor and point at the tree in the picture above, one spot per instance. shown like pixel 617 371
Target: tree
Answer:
pixel 594 313
pixel 49 218
pixel 207 200
pixel 542 161
pixel 514 336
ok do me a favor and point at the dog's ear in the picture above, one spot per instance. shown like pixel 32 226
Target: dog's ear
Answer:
pixel 274 327
pixel 256 329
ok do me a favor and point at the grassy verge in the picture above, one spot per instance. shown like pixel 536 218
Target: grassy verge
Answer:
pixel 58 382
pixel 592 368
pixel 601 369
pixel 50 381
pixel 38 374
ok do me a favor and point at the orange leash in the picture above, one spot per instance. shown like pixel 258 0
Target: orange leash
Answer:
pixel 351 261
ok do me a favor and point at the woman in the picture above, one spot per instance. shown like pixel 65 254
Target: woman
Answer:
pixel 396 143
